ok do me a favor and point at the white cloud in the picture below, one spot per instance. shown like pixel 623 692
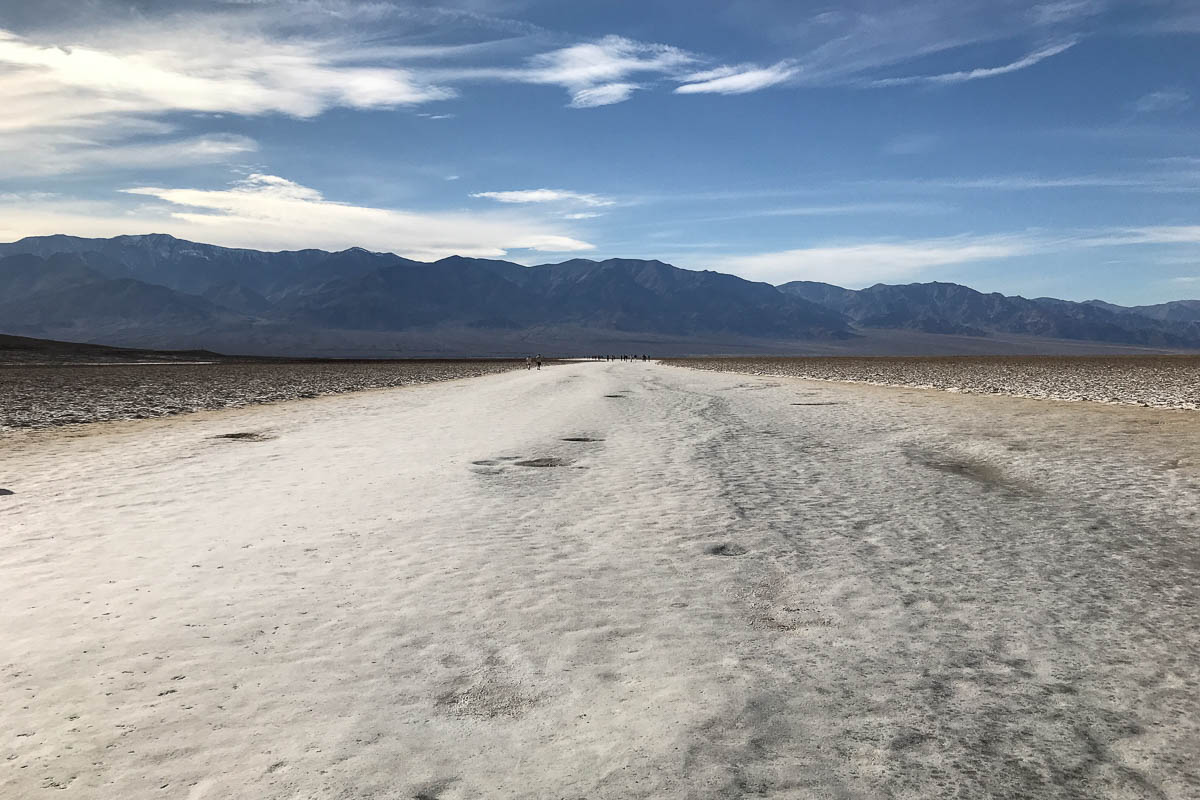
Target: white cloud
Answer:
pixel 1030 60
pixel 596 73
pixel 57 153
pixel 1162 100
pixel 269 212
pixel 862 264
pixel 737 80
pixel 856 265
pixel 95 99
pixel 607 62
pixel 200 70
pixel 603 95
pixel 546 196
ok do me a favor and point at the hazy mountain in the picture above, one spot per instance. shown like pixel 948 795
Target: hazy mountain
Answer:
pixel 1174 311
pixel 949 308
pixel 158 291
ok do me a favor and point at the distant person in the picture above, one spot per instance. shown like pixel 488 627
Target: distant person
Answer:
pixel 528 362
pixel 538 359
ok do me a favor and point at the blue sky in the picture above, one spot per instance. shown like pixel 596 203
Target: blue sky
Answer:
pixel 1036 148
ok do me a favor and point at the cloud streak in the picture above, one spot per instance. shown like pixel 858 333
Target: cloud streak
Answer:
pixel 594 73
pixel 525 196
pixel 737 80
pixel 270 212
pixel 861 264
pixel 948 78
pixel 63 82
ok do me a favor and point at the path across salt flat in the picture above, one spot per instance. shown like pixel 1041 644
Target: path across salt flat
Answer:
pixel 738 587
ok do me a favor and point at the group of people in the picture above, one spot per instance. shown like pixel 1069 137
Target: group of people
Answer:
pixel 622 358
pixel 535 362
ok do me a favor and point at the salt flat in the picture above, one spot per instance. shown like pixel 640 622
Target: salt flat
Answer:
pixel 741 586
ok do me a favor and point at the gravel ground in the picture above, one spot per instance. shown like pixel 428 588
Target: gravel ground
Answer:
pixel 1156 381
pixel 45 397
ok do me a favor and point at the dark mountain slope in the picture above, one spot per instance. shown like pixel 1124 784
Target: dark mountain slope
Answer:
pixel 1174 311
pixel 189 266
pixel 412 295
pixel 28 276
pixel 61 296
pixel 631 294
pixel 949 308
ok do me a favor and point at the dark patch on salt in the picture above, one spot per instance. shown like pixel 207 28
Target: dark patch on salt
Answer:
pixel 434 789
pixel 485 463
pixel 581 439
pixel 617 396
pixel 245 436
pixel 726 549
pixel 6 492
pixel 548 461
pixel 987 475
pixel 816 404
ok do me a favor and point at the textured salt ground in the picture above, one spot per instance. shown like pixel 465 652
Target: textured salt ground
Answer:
pixel 1156 381
pixel 900 593
pixel 51 396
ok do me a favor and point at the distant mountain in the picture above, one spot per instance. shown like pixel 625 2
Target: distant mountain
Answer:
pixel 949 308
pixel 161 290
pixel 1174 311
pixel 158 291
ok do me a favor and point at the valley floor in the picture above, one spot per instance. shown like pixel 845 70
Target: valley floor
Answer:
pixel 605 581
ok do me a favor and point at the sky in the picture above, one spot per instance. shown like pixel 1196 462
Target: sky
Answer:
pixel 1034 148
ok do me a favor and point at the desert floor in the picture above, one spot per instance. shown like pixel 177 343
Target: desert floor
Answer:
pixel 605 581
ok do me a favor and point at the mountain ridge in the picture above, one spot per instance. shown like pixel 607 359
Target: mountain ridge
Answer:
pixel 156 290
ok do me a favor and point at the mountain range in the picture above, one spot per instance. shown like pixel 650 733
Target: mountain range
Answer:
pixel 159 291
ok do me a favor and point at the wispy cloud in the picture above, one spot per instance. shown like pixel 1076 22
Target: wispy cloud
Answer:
pixel 1151 234
pixel 95 100
pixel 65 82
pixel 737 80
pixel 46 153
pixel 546 196
pixel 857 264
pixel 1162 100
pixel 595 73
pixel 1184 177
pixel 1061 11
pixel 1036 57
pixel 269 212
pixel 885 208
